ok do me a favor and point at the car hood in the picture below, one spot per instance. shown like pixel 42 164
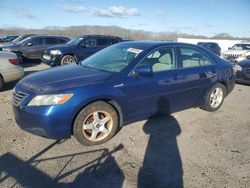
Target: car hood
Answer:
pixel 245 63
pixel 57 79
pixel 235 52
pixel 63 47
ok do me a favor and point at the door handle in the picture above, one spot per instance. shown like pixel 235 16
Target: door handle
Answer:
pixel 178 77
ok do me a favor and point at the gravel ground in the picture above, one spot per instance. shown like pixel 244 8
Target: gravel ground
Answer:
pixel 191 148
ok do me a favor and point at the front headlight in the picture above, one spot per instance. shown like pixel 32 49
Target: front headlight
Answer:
pixel 55 52
pixel 6 49
pixel 44 100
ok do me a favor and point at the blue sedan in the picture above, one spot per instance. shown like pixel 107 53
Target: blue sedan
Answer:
pixel 125 82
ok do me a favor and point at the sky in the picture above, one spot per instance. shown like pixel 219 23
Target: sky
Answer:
pixel 198 17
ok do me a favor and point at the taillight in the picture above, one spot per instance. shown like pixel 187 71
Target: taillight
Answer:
pixel 14 61
pixel 234 70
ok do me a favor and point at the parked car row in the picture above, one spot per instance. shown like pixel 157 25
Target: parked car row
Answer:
pixel 7 38
pixel 33 46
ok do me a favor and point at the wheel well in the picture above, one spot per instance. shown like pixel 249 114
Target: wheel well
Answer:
pixel 110 102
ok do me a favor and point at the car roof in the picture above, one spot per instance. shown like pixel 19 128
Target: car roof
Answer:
pixel 99 36
pixel 37 35
pixel 148 43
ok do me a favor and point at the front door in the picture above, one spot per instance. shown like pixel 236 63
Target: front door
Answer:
pixel 159 93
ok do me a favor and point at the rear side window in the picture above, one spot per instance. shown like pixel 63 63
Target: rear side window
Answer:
pixel 114 40
pixel 193 58
pixel 50 40
pixel 102 41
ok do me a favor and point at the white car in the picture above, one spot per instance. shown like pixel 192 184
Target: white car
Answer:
pixel 237 52
pixel 9 68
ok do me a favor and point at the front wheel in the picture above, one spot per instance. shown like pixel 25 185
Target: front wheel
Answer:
pixel 68 59
pixel 215 98
pixel 96 124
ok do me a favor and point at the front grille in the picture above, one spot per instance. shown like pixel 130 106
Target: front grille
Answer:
pixel 232 56
pixel 18 97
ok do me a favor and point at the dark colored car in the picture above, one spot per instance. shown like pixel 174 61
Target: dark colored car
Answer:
pixel 212 46
pixel 33 46
pixel 125 82
pixel 8 38
pixel 77 49
pixel 243 76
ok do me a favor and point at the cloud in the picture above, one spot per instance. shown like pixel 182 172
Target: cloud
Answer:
pixel 160 13
pixel 20 11
pixel 72 9
pixel 117 12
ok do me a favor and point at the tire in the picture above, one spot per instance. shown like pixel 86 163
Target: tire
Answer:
pixel 214 98
pixel 1 83
pixel 95 124
pixel 67 59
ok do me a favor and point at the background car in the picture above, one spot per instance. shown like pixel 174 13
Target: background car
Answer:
pixel 243 76
pixel 237 52
pixel 15 41
pixel 77 49
pixel 32 47
pixel 9 68
pixel 125 82
pixel 8 38
pixel 212 46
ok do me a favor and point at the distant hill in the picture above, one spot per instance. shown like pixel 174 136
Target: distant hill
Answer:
pixel 73 31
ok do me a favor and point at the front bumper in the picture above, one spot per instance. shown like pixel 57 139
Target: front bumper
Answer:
pixel 54 122
pixel 51 60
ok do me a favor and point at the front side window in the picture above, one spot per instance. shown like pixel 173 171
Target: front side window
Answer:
pixel 162 59
pixel 193 58
pixel 35 41
pixel 90 42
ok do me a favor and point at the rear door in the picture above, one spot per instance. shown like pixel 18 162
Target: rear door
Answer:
pixel 197 72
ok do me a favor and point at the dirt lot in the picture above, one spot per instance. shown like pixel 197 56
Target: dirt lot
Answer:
pixel 192 148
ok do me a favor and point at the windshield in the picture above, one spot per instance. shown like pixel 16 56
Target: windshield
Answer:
pixel 75 41
pixel 241 47
pixel 112 59
pixel 18 39
pixel 23 41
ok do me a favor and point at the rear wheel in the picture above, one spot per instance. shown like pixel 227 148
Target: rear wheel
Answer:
pixel 96 124
pixel 68 59
pixel 215 97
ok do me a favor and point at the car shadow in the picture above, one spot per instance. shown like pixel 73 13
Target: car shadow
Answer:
pixel 101 170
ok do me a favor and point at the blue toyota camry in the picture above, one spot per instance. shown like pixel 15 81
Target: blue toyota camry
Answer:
pixel 123 83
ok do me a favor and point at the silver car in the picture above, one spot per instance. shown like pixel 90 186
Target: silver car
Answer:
pixel 9 68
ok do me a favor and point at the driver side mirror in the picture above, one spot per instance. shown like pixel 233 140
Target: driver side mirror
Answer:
pixel 229 48
pixel 144 71
pixel 29 44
